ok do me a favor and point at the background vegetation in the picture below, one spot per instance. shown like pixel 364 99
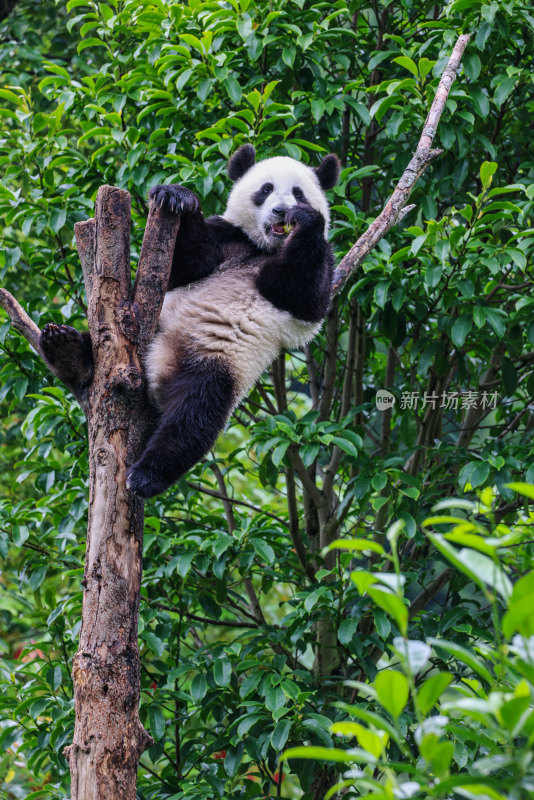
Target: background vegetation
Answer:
pixel 251 640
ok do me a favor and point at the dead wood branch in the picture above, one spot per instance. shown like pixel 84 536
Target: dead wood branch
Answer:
pixel 394 209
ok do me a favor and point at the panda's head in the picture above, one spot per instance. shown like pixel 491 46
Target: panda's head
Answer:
pixel 265 191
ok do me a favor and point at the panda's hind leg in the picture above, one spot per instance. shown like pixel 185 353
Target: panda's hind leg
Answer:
pixel 69 351
pixel 198 401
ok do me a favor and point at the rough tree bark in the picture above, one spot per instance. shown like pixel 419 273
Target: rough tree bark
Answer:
pixel 108 736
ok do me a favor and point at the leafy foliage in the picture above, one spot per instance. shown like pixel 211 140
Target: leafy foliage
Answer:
pixel 249 629
pixel 479 743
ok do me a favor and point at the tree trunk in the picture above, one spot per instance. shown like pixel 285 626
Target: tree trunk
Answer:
pixel 108 735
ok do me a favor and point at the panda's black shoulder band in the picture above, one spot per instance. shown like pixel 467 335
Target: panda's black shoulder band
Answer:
pixel 224 232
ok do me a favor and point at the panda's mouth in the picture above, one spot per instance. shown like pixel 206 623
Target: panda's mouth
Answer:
pixel 279 229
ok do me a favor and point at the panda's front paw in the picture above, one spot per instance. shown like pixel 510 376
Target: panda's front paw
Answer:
pixel 304 216
pixel 174 198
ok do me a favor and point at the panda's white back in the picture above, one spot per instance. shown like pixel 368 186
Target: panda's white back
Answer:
pixel 224 316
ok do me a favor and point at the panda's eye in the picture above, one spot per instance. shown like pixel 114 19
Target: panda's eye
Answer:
pixel 298 193
pixel 267 188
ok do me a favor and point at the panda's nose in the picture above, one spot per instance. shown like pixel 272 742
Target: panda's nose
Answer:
pixel 279 211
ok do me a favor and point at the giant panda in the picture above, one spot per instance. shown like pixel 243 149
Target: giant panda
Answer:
pixel 243 286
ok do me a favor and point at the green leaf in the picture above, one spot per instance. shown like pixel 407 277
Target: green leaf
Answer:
pixel 106 11
pixel 479 474
pixel 462 654
pixel 20 534
pixel 480 101
pixel 487 170
pixel 37 577
pixel 264 550
pixel 77 3
pixel 472 65
pixel 57 219
pixel 379 481
pixel 479 316
pixel 280 734
pixel 346 630
pixel 356 545
pixel 504 90
pixel 393 691
pixel 233 759
pixel 431 690
pixel 381 293
pixel 391 604
pixel 199 687
pixel 509 377
pixel 320 754
pixel 345 445
pixel 222 672
pixel 526 489
pixel 497 320
pixel 157 722
pixel 154 642
pixel 317 108
pixel 461 328
pixel 407 63
pixel 91 42
pixel 519 616
pixel 288 54
pixel 234 89
pixel 6 94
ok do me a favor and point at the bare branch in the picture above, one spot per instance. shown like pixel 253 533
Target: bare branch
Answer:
pixel 423 156
pixel 330 369
pixel 112 231
pixel 85 242
pixel 152 277
pixel 198 487
pixel 419 602
pixel 22 322
pixel 307 482
pixel 294 530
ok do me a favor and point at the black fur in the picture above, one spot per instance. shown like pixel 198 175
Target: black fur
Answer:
pixel 198 249
pixel 198 401
pixel 298 277
pixel 224 232
pixel 328 171
pixel 242 160
pixel 196 252
pixel 259 197
pixel 70 352
pixel 299 195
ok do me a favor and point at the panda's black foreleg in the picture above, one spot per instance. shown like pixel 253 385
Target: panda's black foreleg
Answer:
pixel 298 277
pixel 199 400
pixel 70 352
pixel 197 251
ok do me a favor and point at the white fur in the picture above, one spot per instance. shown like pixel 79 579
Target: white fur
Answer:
pixel 225 316
pixel 284 173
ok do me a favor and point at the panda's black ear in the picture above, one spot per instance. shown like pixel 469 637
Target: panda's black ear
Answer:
pixel 328 171
pixel 241 161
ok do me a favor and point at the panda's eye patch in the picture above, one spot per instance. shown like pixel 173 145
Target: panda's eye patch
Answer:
pixel 267 188
pixel 298 193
